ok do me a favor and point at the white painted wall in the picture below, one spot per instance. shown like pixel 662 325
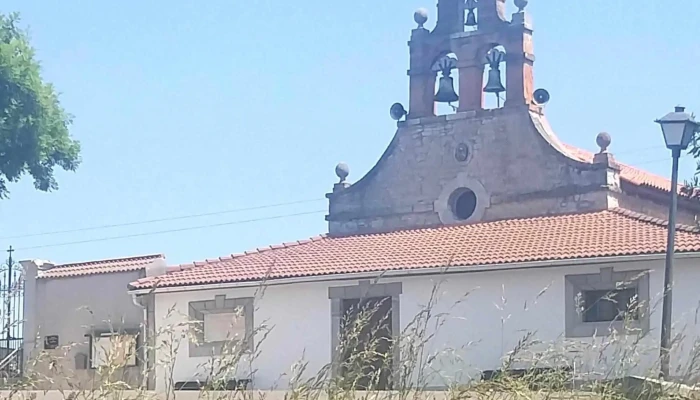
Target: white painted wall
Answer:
pixel 481 328
pixel 72 307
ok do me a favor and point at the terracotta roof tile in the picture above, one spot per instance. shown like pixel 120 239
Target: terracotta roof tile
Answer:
pixel 596 234
pixel 99 266
pixel 628 173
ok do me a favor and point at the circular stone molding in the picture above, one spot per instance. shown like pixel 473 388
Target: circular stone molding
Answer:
pixel 464 199
pixel 463 203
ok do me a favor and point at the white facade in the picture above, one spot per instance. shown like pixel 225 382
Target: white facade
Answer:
pixel 501 306
pixel 71 309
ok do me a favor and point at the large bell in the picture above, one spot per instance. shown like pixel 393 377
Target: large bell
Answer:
pixel 446 91
pixel 494 84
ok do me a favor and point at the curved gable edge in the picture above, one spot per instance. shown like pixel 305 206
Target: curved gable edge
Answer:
pixel 375 169
pixel 547 133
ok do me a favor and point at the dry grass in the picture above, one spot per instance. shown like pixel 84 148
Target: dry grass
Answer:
pixel 531 370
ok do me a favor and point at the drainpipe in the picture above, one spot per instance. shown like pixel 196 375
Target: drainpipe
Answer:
pixel 156 268
pixel 138 302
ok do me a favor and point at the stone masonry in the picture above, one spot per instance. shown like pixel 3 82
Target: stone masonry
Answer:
pixel 510 166
pixel 508 158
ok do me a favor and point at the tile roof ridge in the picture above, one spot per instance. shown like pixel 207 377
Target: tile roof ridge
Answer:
pixel 621 163
pixel 209 261
pixel 614 232
pixel 588 159
pixel 287 245
pixel 653 220
pixel 647 173
pixel 478 223
pixel 111 260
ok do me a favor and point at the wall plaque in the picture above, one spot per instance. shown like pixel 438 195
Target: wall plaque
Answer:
pixel 51 342
pixel 462 152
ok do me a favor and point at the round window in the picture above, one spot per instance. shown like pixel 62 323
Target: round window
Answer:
pixel 463 203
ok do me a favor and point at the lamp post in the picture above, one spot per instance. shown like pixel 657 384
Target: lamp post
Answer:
pixel 678 128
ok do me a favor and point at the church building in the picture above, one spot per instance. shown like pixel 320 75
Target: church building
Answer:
pixel 481 215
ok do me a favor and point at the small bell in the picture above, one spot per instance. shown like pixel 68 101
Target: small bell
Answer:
pixel 494 84
pixel 471 14
pixel 446 92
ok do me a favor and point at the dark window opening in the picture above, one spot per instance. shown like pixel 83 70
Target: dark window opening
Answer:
pixel 610 305
pixel 366 343
pixel 464 204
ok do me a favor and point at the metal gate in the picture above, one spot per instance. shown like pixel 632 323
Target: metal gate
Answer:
pixel 12 315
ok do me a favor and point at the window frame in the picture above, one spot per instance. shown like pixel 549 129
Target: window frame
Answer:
pixel 443 204
pixel 111 333
pixel 198 347
pixel 607 279
pixel 365 289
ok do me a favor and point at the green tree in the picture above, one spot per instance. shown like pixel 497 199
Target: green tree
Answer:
pixel 34 136
pixel 691 187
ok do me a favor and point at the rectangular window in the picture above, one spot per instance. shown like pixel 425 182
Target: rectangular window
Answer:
pixel 598 304
pixel 227 326
pixel 113 349
pixel 609 305
pixel 221 324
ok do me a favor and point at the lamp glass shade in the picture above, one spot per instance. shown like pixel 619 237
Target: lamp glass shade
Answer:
pixel 678 129
pixel 673 133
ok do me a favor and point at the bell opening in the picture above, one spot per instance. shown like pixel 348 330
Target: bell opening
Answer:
pixel 494 79
pixel 446 84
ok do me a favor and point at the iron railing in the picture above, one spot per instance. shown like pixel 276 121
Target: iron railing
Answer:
pixel 12 316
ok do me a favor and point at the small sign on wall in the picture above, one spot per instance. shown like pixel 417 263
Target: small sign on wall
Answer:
pixel 51 342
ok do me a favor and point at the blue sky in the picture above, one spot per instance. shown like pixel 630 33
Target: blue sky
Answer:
pixel 187 107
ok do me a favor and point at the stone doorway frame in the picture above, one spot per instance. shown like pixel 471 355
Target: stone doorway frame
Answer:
pixel 365 289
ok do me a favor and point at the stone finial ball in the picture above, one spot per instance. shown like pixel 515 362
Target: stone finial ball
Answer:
pixel 342 170
pixel 420 16
pixel 521 4
pixel 603 140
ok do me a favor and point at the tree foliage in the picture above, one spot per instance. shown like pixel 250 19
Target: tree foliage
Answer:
pixel 34 135
pixel 691 187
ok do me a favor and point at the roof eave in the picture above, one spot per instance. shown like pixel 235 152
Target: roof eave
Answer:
pixel 84 274
pixel 415 272
pixel 658 194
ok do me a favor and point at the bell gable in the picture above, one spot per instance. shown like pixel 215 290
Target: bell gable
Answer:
pixel 479 163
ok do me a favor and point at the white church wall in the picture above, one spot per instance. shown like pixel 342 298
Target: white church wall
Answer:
pixel 486 314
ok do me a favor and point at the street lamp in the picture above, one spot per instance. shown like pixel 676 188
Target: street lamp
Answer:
pixel 678 128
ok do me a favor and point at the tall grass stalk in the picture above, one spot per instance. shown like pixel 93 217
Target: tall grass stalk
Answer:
pixel 369 364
